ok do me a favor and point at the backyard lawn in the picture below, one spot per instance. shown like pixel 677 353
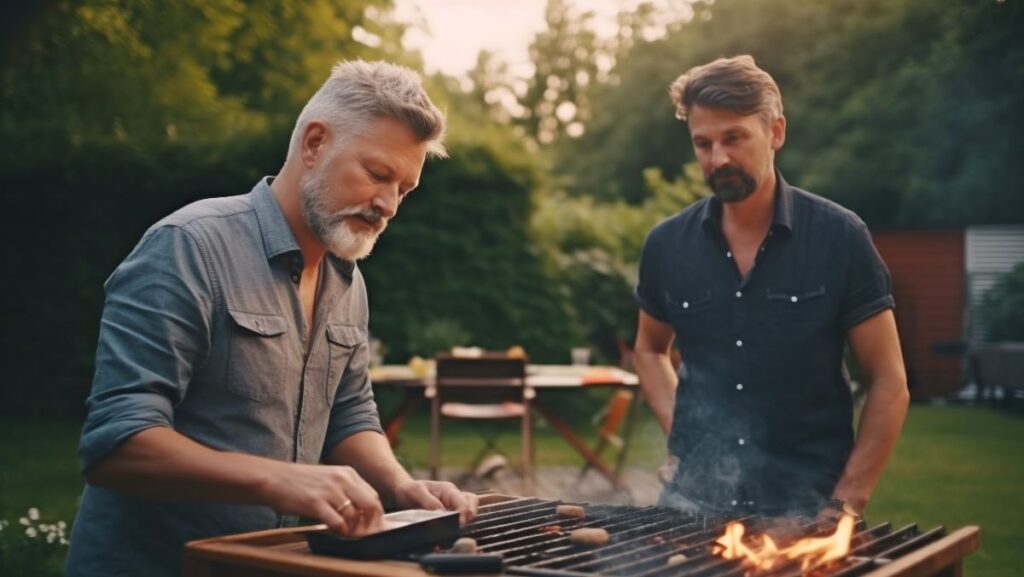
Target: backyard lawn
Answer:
pixel 954 466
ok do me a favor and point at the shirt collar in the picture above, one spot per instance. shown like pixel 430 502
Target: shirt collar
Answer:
pixel 278 238
pixel 277 235
pixel 782 216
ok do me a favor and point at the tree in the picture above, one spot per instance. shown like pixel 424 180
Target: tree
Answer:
pixel 202 70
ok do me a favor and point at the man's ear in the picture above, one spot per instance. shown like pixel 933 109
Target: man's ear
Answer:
pixel 315 137
pixel 778 130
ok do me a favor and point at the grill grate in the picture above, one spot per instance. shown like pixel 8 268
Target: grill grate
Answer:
pixel 534 542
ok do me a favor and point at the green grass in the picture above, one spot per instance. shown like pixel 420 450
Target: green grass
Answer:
pixel 954 466
pixel 957 466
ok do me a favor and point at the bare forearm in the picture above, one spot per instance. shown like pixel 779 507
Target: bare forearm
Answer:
pixel 370 454
pixel 658 382
pixel 880 424
pixel 162 464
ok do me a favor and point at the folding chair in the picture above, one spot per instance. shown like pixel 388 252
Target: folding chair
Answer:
pixel 615 413
pixel 486 389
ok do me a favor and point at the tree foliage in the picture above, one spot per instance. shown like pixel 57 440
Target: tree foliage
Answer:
pixel 592 248
pixel 200 70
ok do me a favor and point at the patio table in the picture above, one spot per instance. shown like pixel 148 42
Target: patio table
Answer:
pixel 418 389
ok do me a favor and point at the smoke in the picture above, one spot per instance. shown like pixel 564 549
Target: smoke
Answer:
pixel 723 461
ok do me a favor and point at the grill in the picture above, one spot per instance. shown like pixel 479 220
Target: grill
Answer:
pixel 644 542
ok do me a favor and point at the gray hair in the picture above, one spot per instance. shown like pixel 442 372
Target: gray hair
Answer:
pixel 734 83
pixel 357 92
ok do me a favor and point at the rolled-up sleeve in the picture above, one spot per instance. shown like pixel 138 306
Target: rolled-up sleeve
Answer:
pixel 649 294
pixel 155 330
pixel 869 285
pixel 354 409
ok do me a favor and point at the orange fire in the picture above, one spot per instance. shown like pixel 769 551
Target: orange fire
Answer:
pixel 763 553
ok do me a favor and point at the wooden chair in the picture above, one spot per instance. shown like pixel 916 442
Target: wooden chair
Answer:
pixel 615 414
pixel 486 389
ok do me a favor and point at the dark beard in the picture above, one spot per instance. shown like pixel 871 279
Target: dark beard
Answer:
pixel 728 189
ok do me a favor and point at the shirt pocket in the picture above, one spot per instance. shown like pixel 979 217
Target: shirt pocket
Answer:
pixel 688 303
pixel 343 341
pixel 799 312
pixel 691 313
pixel 257 359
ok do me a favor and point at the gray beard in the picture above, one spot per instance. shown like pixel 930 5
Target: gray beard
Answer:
pixel 329 227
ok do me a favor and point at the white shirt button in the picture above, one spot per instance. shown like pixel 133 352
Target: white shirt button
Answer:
pixel 793 299
pixel 739 343
pixel 729 254
pixel 686 305
pixel 739 386
pixel 739 294
pixel 742 442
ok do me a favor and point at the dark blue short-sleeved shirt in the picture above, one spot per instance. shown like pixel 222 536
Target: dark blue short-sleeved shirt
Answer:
pixel 763 413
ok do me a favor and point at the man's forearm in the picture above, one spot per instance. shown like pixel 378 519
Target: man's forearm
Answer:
pixel 161 464
pixel 658 382
pixel 880 423
pixel 370 454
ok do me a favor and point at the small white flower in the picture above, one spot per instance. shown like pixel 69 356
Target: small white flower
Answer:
pixel 63 541
pixel 62 525
pixel 44 528
pixel 31 532
pixel 33 514
pixel 51 537
pixel 24 521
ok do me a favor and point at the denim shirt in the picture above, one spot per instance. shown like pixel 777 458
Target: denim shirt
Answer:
pixel 763 412
pixel 203 332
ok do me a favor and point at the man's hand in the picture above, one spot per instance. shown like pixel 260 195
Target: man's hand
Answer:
pixel 667 470
pixel 835 509
pixel 336 495
pixel 436 495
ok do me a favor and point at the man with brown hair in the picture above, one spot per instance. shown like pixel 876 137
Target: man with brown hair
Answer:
pixel 762 285
pixel 231 390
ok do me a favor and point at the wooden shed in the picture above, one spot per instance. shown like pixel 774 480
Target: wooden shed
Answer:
pixel 929 284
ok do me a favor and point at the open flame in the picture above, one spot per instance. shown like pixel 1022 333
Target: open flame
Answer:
pixel 763 553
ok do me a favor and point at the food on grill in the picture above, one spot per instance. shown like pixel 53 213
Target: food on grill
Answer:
pixel 464 545
pixel 590 536
pixel 573 511
pixel 550 529
pixel 676 559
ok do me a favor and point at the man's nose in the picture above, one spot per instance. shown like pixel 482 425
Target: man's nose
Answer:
pixel 719 156
pixel 386 201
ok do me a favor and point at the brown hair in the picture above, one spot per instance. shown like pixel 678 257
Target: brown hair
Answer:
pixel 735 83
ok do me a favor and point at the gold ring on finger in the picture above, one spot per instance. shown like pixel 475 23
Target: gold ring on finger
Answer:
pixel 343 506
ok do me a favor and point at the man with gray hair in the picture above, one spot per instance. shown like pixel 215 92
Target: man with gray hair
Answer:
pixel 231 390
pixel 762 285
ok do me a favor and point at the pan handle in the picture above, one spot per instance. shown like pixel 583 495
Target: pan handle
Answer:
pixel 462 563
